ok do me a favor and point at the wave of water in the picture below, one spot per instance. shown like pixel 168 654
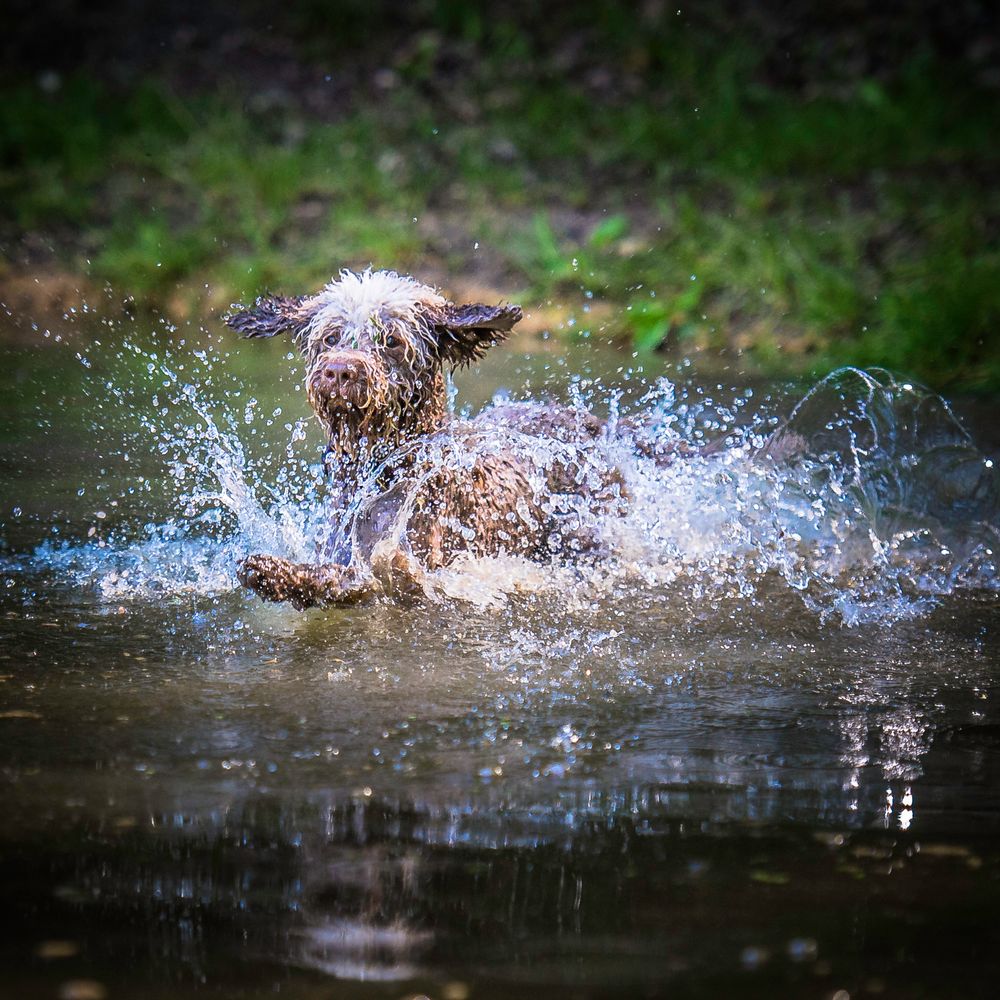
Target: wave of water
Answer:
pixel 870 501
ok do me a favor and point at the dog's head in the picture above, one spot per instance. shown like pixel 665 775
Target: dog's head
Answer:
pixel 376 345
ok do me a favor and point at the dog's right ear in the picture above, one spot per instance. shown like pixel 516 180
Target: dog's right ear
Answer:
pixel 268 316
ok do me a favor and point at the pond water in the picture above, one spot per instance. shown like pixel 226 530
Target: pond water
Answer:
pixel 753 749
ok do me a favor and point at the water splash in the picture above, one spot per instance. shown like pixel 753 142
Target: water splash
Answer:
pixel 887 500
pixel 869 502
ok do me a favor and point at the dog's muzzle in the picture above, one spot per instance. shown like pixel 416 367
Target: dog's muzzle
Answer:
pixel 339 384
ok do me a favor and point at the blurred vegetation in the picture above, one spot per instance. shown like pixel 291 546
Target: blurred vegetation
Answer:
pixel 652 177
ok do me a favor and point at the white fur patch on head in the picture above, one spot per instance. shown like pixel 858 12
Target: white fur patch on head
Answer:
pixel 355 302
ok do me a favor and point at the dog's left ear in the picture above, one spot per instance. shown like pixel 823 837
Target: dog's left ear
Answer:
pixel 269 316
pixel 465 333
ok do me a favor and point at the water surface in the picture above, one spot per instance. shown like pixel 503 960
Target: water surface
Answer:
pixel 753 749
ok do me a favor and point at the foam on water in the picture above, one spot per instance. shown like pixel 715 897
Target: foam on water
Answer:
pixel 869 502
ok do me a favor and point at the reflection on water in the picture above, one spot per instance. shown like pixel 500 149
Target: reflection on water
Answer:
pixel 751 750
pixel 612 895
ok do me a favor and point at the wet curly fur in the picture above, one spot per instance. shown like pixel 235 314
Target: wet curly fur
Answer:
pixel 376 346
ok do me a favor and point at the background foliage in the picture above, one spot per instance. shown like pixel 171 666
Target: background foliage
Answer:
pixel 791 186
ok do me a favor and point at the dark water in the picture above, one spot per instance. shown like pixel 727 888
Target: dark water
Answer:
pixel 717 763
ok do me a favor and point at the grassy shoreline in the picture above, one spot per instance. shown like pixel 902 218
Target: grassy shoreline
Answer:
pixel 707 213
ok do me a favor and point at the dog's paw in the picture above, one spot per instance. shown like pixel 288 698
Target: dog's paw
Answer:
pixel 303 585
pixel 273 578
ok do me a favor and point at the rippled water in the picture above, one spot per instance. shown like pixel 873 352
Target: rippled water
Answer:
pixel 752 748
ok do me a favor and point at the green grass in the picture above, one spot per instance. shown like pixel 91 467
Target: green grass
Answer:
pixel 714 213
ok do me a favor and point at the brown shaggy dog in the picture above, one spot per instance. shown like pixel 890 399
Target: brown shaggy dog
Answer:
pixel 412 486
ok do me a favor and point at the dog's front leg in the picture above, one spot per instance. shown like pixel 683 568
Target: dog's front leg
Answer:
pixel 305 585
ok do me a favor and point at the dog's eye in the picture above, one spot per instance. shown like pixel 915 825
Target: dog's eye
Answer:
pixel 392 341
pixel 330 340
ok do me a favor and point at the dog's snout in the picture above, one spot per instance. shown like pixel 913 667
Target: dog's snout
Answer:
pixel 340 379
pixel 341 373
